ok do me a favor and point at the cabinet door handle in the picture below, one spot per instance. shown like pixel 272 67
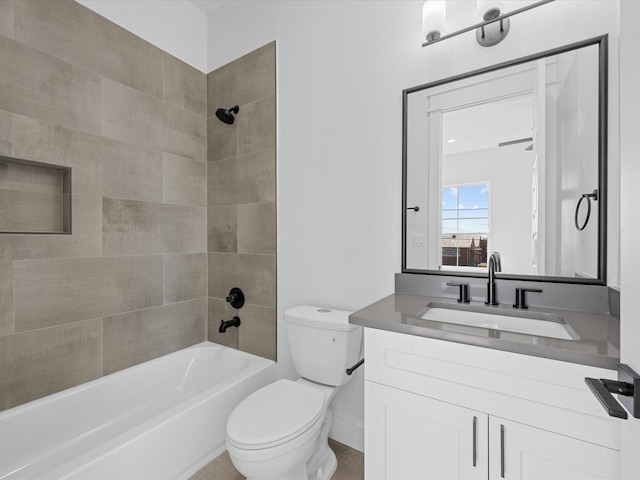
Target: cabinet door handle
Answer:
pixel 502 451
pixel 475 436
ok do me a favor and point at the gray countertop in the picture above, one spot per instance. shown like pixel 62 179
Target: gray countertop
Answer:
pixel 598 345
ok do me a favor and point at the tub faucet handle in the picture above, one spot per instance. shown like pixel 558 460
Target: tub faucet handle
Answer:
pixel 235 298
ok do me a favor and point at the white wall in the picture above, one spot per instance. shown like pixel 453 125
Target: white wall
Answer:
pixel 630 212
pixel 175 26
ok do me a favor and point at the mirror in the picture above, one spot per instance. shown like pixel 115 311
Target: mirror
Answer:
pixel 510 158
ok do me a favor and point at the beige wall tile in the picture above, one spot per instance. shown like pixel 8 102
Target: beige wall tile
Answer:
pixel 69 31
pixel 257 177
pixel 254 274
pixel 257 228
pixel 6 18
pixel 40 86
pixel 6 298
pixel 48 143
pixel 79 288
pixel 131 116
pixel 141 228
pixel 222 229
pixel 183 133
pixel 45 361
pixel 222 182
pixel 6 134
pixel 132 172
pixel 257 278
pixel 185 277
pixel 245 80
pixel 222 139
pixel 185 180
pixel 99 165
pixel 257 127
pixel 85 241
pixel 136 337
pixel 184 86
pixel 130 121
pixel 223 274
pixel 220 310
pixel 258 331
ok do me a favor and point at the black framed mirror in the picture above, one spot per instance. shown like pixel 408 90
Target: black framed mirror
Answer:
pixel 510 158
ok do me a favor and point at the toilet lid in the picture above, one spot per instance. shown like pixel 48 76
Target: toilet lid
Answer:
pixel 274 415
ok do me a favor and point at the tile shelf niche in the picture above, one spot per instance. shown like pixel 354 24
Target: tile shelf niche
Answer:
pixel 35 197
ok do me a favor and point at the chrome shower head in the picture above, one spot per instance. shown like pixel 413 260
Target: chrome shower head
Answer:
pixel 226 115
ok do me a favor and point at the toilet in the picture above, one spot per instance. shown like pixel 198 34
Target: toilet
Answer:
pixel 281 431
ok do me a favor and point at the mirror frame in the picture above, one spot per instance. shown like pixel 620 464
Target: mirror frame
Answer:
pixel 603 68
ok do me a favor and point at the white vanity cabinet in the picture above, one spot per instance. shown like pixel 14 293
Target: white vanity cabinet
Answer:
pixel 443 410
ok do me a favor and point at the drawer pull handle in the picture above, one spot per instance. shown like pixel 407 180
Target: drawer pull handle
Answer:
pixel 502 451
pixel 475 435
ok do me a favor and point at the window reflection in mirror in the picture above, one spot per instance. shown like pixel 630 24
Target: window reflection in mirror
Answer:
pixel 465 226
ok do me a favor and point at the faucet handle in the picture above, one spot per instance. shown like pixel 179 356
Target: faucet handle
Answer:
pixel 463 296
pixel 520 296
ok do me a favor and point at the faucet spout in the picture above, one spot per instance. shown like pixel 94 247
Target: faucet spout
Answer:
pixel 234 322
pixel 495 265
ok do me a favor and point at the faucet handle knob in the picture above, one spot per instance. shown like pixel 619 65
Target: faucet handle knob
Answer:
pixel 521 301
pixel 463 296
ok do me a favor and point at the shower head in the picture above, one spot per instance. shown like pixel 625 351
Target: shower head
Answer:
pixel 226 115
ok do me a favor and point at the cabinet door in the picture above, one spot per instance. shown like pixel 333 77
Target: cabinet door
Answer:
pixel 522 452
pixel 408 436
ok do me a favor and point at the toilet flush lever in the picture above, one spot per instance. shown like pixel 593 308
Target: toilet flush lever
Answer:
pixel 349 371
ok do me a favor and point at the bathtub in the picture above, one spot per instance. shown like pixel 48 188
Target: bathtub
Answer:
pixel 162 419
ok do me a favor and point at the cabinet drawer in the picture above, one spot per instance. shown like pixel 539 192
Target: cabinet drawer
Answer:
pixel 547 393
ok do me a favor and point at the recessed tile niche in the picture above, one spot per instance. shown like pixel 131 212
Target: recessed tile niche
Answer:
pixel 34 197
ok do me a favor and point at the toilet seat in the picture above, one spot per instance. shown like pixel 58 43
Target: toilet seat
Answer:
pixel 274 415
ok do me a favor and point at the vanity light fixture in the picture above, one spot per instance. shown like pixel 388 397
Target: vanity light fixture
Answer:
pixel 492 28
pixel 434 14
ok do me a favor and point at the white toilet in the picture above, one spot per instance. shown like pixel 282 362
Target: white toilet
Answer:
pixel 281 431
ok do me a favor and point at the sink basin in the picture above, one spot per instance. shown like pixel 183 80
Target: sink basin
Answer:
pixel 494 318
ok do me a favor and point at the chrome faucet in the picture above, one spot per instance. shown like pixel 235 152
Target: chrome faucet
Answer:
pixel 494 266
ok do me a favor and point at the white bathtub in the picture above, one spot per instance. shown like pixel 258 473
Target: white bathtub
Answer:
pixel 163 419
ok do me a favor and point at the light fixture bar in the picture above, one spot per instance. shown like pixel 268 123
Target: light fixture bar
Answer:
pixel 514 142
pixel 488 22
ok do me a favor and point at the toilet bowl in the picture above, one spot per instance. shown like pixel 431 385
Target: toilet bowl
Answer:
pixel 273 433
pixel 280 432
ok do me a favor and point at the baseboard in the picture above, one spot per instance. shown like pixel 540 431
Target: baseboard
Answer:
pixel 347 432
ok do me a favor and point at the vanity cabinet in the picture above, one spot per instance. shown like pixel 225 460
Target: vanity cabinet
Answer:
pixel 442 410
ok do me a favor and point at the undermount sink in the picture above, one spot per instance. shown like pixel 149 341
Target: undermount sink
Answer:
pixel 496 318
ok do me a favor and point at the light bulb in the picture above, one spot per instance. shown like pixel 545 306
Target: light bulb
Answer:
pixel 433 19
pixel 489 9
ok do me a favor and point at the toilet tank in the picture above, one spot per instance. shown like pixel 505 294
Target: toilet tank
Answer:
pixel 323 343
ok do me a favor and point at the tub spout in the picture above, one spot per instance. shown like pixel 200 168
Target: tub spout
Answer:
pixel 234 322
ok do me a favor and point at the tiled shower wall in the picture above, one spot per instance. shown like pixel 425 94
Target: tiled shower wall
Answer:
pixel 242 201
pixel 130 283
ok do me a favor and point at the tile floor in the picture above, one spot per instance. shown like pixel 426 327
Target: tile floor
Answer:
pixel 350 466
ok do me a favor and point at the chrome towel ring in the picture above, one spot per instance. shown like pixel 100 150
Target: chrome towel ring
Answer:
pixel 588 196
